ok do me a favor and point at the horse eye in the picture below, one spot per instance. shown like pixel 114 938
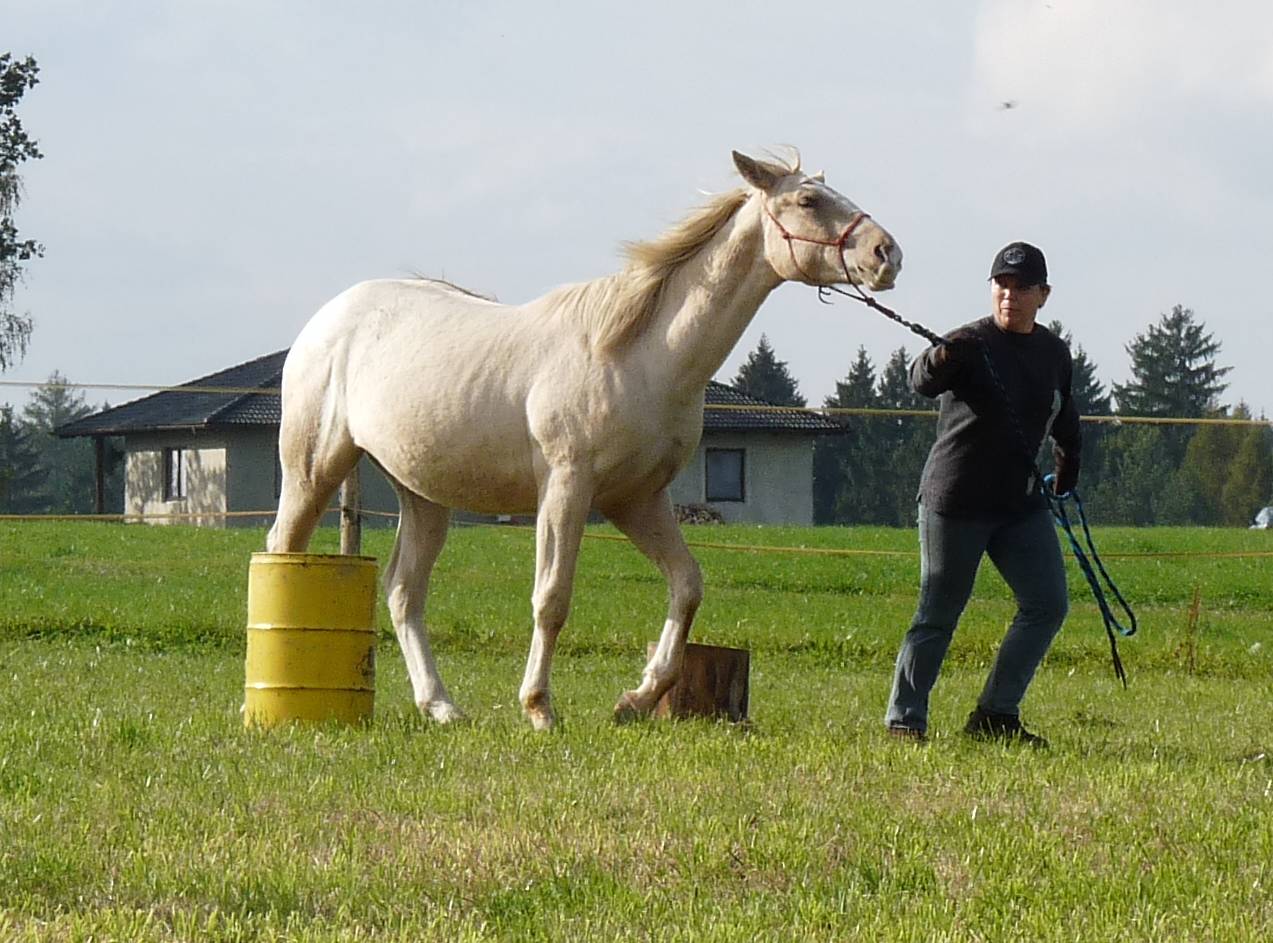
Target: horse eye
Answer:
pixel 806 199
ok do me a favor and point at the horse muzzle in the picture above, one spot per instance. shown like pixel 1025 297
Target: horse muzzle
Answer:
pixel 882 278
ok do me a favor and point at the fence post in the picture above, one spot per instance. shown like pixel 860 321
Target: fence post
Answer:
pixel 350 514
pixel 1190 643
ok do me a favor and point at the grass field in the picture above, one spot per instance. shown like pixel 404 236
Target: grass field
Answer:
pixel 133 806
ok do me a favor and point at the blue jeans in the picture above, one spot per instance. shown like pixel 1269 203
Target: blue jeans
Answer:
pixel 1025 550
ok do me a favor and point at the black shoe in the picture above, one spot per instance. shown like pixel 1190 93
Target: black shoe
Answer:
pixel 899 732
pixel 987 725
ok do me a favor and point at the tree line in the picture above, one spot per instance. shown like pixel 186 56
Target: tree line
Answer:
pixel 43 474
pixel 1132 474
pixel 1207 474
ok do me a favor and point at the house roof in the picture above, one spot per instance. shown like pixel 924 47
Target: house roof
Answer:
pixel 763 416
pixel 175 408
pixel 233 404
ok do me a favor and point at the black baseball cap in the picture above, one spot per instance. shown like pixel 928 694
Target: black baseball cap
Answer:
pixel 1023 260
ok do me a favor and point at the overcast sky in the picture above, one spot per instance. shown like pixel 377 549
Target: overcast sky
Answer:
pixel 214 172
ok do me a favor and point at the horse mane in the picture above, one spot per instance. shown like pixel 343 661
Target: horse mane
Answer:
pixel 454 287
pixel 619 307
pixel 651 265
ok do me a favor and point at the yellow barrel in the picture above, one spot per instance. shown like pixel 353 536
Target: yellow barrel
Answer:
pixel 311 639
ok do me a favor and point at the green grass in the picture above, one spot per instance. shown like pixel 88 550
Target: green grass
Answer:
pixel 133 806
pixel 163 586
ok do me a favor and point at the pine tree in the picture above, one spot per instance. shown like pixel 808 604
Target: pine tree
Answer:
pixel 895 386
pixel 843 489
pixel 905 441
pixel 1174 371
pixel 70 462
pixel 766 377
pixel 1090 396
pixel 21 477
pixel 1090 399
pixel 857 390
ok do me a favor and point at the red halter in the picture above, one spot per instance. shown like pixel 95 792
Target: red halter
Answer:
pixel 839 244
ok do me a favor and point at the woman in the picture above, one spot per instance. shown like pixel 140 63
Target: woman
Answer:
pixel 979 495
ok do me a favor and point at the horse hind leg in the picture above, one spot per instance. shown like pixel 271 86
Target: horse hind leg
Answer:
pixel 422 530
pixel 651 525
pixel 314 459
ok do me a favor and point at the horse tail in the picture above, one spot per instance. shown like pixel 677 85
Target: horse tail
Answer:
pixel 316 448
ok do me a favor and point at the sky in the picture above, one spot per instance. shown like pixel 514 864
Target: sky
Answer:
pixel 214 172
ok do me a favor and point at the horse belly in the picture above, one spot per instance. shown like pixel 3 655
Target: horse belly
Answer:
pixel 647 471
pixel 471 461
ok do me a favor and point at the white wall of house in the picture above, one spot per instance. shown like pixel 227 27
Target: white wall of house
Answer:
pixel 203 465
pixel 233 472
pixel 778 478
pixel 236 472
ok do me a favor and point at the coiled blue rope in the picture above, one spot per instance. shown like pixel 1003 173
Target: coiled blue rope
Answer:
pixel 1056 503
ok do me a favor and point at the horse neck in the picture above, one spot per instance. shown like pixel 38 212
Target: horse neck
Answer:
pixel 711 300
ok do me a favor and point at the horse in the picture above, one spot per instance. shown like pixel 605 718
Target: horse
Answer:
pixel 587 398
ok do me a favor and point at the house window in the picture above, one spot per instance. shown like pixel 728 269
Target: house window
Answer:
pixel 726 476
pixel 174 474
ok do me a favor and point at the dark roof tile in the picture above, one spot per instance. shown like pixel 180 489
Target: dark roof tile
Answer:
pixel 738 417
pixel 176 409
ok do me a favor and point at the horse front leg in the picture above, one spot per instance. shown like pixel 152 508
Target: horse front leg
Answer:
pixel 563 510
pixel 650 524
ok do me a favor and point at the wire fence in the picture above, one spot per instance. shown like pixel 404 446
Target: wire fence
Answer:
pixel 215 516
pixel 825 411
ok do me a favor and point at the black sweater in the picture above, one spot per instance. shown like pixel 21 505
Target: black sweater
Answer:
pixel 979 465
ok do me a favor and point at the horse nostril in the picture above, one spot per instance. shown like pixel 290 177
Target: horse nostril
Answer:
pixel 883 250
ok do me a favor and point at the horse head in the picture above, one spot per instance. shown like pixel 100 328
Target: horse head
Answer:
pixel 816 235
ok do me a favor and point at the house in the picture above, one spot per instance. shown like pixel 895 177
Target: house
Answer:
pixel 207 451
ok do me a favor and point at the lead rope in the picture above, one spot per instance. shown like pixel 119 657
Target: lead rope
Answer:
pixel 1055 502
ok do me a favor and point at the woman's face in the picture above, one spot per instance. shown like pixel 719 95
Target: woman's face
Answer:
pixel 1015 305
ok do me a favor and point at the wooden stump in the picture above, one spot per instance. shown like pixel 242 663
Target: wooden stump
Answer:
pixel 713 683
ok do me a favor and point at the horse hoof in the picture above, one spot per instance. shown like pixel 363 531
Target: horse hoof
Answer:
pixel 627 711
pixel 541 720
pixel 443 712
pixel 538 708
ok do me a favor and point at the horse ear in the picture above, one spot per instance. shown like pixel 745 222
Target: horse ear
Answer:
pixel 820 176
pixel 755 173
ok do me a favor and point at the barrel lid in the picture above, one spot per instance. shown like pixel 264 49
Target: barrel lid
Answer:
pixel 312 559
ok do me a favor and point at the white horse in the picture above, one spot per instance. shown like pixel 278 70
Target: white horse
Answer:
pixel 588 397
